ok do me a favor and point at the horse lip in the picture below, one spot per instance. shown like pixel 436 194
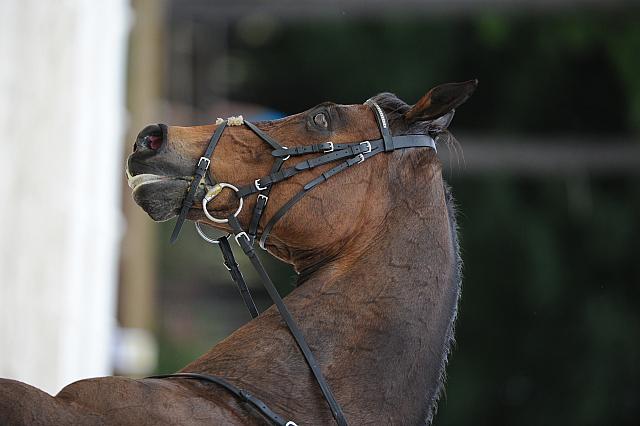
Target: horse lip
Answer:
pixel 140 179
pixel 163 202
pixel 144 178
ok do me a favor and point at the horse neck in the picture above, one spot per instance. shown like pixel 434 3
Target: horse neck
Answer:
pixel 379 326
pixel 386 319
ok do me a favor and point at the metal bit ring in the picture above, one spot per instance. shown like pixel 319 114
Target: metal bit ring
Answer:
pixel 213 192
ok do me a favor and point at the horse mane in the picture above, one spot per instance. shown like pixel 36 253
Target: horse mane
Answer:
pixel 395 108
pixel 432 403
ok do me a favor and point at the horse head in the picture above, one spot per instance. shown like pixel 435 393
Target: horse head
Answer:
pixel 378 312
pixel 161 168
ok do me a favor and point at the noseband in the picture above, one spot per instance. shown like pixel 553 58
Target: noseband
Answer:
pixel 349 154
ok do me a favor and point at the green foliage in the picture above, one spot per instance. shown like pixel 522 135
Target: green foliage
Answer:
pixel 566 73
pixel 548 327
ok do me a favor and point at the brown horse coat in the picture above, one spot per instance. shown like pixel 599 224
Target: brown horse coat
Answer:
pixel 380 279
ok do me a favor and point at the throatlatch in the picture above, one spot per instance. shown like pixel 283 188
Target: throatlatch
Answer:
pixel 347 154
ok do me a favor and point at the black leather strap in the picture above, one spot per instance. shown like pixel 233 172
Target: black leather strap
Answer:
pixel 404 141
pixel 376 148
pixel 383 125
pixel 414 141
pixel 201 168
pixel 277 216
pixel 315 148
pixel 241 394
pixel 236 275
pixel 265 137
pixel 247 247
pixel 266 181
pixel 348 150
pixel 303 149
pixel 333 156
pixel 258 211
pixel 261 202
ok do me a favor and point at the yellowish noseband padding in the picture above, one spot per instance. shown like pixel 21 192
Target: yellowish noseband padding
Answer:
pixel 232 121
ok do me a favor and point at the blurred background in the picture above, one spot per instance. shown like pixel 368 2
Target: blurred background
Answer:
pixel 547 183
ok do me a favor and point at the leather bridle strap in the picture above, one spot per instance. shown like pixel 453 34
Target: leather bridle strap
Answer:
pixel 265 181
pixel 234 270
pixel 308 186
pixel 261 202
pixel 201 169
pixel 241 394
pixel 377 146
pixel 247 247
pixel 265 137
pixel 383 125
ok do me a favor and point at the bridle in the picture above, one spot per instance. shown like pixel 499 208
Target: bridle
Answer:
pixel 349 154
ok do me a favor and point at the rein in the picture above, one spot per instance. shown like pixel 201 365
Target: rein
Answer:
pixel 350 154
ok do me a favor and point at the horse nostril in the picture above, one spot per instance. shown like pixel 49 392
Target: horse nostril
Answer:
pixel 151 137
pixel 154 141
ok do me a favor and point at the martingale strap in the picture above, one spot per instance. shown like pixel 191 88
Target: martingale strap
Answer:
pixel 241 394
pixel 236 275
pixel 245 243
pixel 349 154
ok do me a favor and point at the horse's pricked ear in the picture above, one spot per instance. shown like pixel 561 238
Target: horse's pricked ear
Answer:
pixel 440 100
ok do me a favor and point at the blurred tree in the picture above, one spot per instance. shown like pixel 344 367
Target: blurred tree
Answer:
pixel 574 73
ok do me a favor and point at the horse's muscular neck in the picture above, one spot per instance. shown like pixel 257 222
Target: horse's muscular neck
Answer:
pixel 380 328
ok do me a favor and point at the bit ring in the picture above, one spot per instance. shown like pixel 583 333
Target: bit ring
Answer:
pixel 213 192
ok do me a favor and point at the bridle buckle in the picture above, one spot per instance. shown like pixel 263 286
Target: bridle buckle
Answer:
pixel 213 192
pixel 367 145
pixel 288 156
pixel 242 234
pixel 360 158
pixel 330 147
pixel 265 198
pixel 257 185
pixel 205 159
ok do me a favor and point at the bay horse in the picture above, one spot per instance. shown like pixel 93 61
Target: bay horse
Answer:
pixel 379 269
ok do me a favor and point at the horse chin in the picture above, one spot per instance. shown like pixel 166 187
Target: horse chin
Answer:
pixel 161 200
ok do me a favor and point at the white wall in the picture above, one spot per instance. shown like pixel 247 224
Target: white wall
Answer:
pixel 62 85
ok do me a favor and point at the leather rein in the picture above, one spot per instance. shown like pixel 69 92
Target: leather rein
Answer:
pixel 351 154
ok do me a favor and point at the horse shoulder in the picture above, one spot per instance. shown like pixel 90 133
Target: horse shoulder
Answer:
pixel 23 404
pixel 121 401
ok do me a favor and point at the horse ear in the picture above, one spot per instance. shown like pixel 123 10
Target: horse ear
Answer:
pixel 440 101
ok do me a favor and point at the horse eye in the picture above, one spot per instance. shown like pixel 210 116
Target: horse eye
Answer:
pixel 321 120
